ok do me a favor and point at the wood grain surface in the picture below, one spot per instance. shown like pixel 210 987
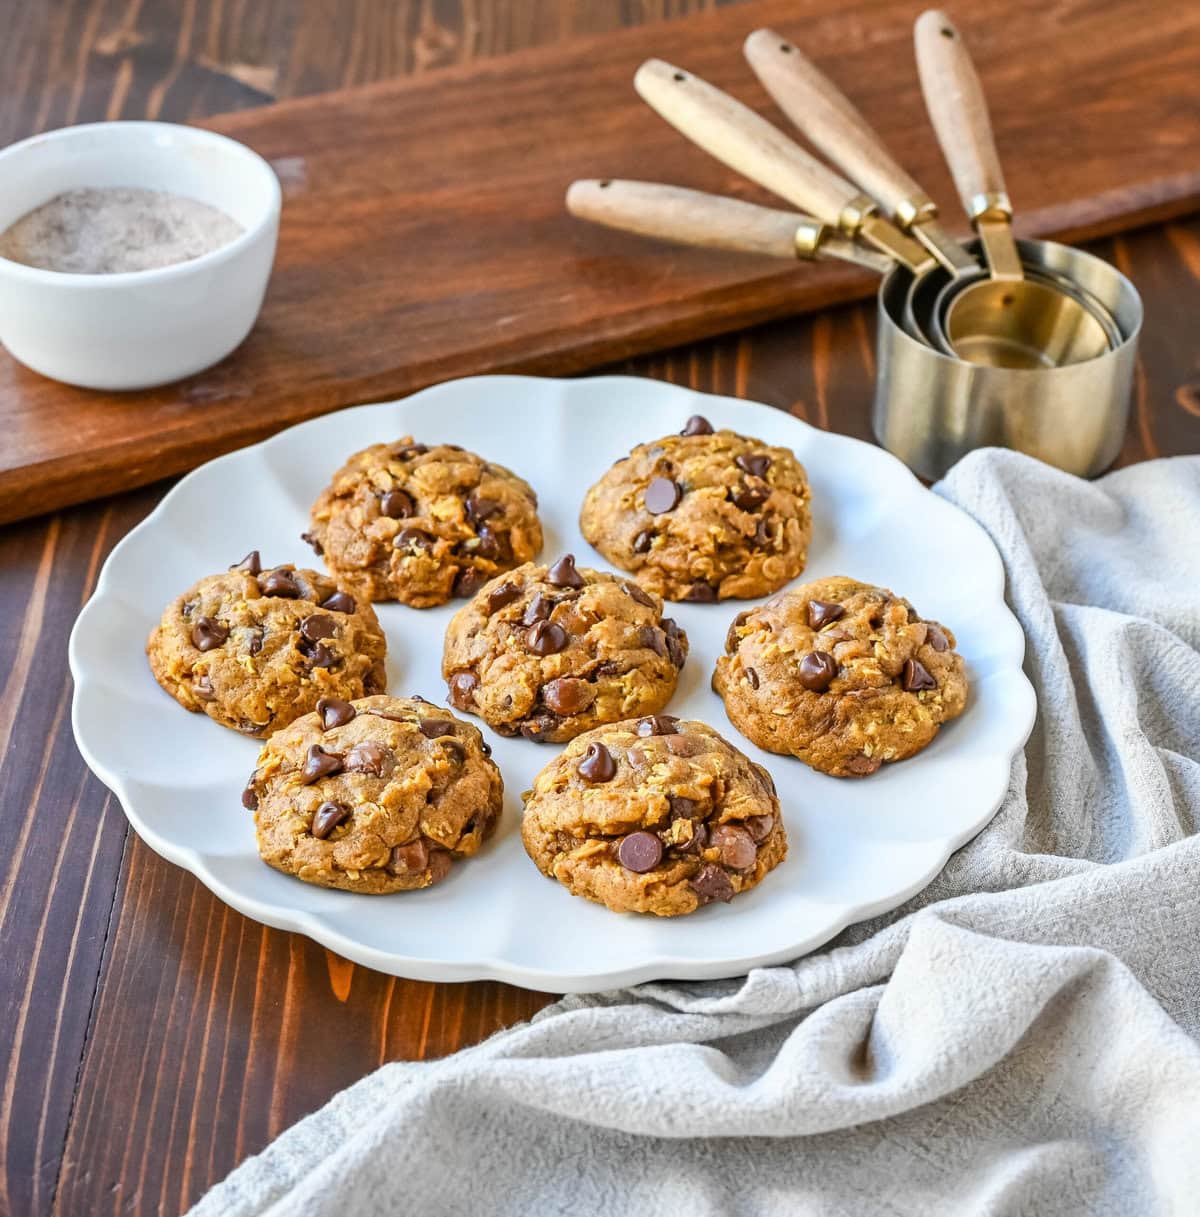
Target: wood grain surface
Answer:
pixel 151 1038
pixel 419 241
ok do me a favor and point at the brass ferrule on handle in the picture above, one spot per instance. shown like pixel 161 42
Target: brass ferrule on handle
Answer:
pixel 854 214
pixel 810 235
pixel 990 205
pixel 915 209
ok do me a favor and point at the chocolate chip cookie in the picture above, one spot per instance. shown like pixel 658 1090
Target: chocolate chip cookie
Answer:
pixel 420 524
pixel 548 652
pixel 654 815
pixel 376 795
pixel 841 674
pixel 254 649
pixel 704 515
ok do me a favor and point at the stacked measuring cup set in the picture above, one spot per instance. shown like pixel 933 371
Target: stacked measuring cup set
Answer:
pixel 1026 344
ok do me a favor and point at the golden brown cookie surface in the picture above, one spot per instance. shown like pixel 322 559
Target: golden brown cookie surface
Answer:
pixel 550 651
pixel 420 524
pixel 254 649
pixel 841 674
pixel 377 795
pixel 703 515
pixel 654 815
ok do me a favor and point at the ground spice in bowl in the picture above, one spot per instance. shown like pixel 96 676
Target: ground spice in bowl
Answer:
pixel 107 230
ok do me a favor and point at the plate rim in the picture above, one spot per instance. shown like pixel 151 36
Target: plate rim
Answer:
pixel 660 966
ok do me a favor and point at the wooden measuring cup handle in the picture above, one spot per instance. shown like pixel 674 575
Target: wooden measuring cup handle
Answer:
pixel 958 110
pixel 829 119
pixel 738 137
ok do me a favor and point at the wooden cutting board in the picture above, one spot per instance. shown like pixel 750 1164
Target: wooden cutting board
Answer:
pixel 424 237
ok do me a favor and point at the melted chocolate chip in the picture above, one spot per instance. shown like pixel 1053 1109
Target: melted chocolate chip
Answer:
pixel 545 638
pixel 319 764
pixel 759 827
pixel 640 852
pixel 697 841
pixel 375 680
pixel 643 541
pixel 414 538
pixel 250 797
pixel 762 534
pixel 484 545
pixel 711 883
pixel 749 498
pixel 207 633
pixel 317 653
pixel 462 687
pixel 310 538
pixel 538 609
pixel 339 602
pixel 822 612
pixel 657 724
pixel 468 581
pixel 752 678
pixel 731 635
pixel 661 496
pixel 817 670
pixel 597 764
pixel 564 574
pixel 251 563
pixel 454 751
pixel 255 645
pixel 863 766
pixel 697 425
pixel 653 638
pixel 738 851
pixel 677 646
pixel 701 593
pixel 408 451
pixel 202 686
pixel 367 756
pixel 635 593
pixel 539 727
pixel 756 465
pixel 916 677
pixel 439 865
pixel 567 695
pixel 414 856
pixel 334 712
pixel 479 508
pixel 327 817
pixel 501 596
pixel 485 748
pixel 683 808
pixel 937 639
pixel 396 504
pixel 433 728
pixel 279 583
pixel 318 626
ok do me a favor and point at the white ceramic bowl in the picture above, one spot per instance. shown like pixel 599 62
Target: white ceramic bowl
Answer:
pixel 148 327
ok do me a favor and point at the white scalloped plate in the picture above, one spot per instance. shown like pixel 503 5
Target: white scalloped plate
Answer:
pixel 857 847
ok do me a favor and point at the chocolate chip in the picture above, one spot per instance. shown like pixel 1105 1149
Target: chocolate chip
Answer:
pixel 479 508
pixel 822 612
pixel 635 593
pixel 251 563
pixel 564 574
pixel 697 425
pixel 256 642
pixel 327 817
pixel 432 728
pixel 408 451
pixel 697 841
pixel 749 498
pixel 701 593
pixel 863 766
pixel 538 609
pixel 468 581
pixel 684 808
pixel 279 583
pixel 396 504
pixel 752 678
pixel 762 534
pixel 250 796
pixel 367 756
pixel 375 680
pixel 737 847
pixel 202 686
pixel 643 541
pixel 712 883
pixel 539 727
pixel 759 827
pixel 661 496
pixel 640 852
pixel 454 751
pixel 334 712
pixel 317 653
pixel 677 646
pixel 731 635
pixel 485 545
pixel 408 858
pixel 415 538
pixel 318 626
pixel 756 465
pixel 485 748
pixel 567 695
pixel 656 724
pixel 339 602
pixel 319 764
pixel 310 538
pixel 207 633
pixel 653 638
pixel 501 596
pixel 609 667
pixel 937 639
pixel 597 764
pixel 817 670
pixel 545 638
pixel 916 677
pixel 462 687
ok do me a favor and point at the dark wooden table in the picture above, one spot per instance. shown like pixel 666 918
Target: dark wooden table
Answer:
pixel 151 1038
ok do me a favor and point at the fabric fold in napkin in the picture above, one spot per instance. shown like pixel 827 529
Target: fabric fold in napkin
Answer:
pixel 1023 1037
